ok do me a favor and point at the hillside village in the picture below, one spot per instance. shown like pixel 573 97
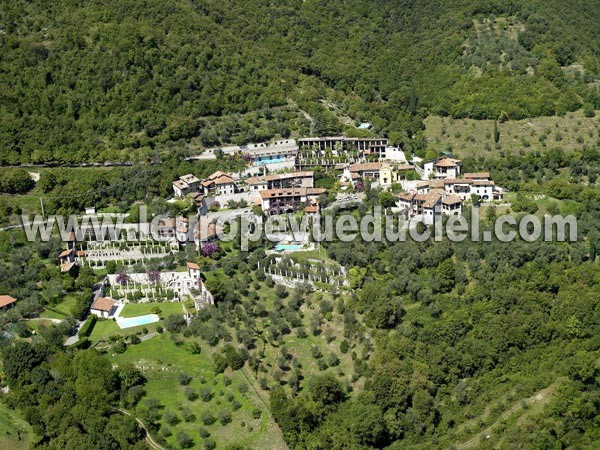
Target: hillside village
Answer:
pixel 280 178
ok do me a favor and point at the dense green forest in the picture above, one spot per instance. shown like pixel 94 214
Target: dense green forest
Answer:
pixel 117 80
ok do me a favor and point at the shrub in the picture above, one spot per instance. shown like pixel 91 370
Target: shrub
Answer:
pixel 243 388
pixel 184 379
pixel 209 444
pixel 174 323
pixel 220 363
pixel 234 360
pixel 184 440
pixel 170 417
pixel 187 414
pixel 205 394
pixel 321 364
pixel 88 326
pixel 207 418
pixel 190 394
pixel 281 291
pixel 82 344
pixel 195 348
pixel 119 347
pixel 224 417
pixel 344 346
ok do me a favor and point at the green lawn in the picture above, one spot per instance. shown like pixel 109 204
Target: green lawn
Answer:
pixel 103 329
pixel 66 305
pixel 47 313
pixel 140 309
pixel 61 310
pixel 11 427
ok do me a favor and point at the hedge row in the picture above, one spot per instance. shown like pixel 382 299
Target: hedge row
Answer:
pixel 88 326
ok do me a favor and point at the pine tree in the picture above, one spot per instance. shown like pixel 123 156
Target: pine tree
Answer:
pixel 496 132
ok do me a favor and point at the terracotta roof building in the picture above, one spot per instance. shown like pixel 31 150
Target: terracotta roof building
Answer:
pixel 103 307
pixel 6 301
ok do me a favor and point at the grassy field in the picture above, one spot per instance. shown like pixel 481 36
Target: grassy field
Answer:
pixel 469 137
pixel 141 309
pixel 61 310
pixel 15 433
pixel 66 305
pixel 162 360
pixel 105 328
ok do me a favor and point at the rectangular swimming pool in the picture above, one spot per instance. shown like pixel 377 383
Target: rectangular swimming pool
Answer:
pixel 270 160
pixel 128 322
pixel 288 247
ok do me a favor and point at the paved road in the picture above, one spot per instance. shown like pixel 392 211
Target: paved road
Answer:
pixel 73 339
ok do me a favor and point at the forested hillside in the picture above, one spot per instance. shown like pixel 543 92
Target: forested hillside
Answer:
pixel 118 80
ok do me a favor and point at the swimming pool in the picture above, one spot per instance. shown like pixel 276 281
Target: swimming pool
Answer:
pixel 270 160
pixel 288 247
pixel 128 322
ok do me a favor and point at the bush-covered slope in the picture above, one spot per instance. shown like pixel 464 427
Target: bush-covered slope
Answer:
pixel 83 81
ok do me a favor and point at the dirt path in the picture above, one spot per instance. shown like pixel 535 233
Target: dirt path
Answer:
pixel 149 439
pixel 538 399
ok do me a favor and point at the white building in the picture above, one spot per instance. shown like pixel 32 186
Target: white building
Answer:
pixel 463 187
pixel 430 206
pixel 219 183
pixel 442 168
pixel 185 185
pixel 103 307
pixel 281 180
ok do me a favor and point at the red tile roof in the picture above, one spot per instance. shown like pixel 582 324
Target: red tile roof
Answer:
pixel 6 300
pixel 225 179
pixel 451 200
pixel 431 199
pixel 480 175
pixel 447 162
pixel 64 253
pixel 66 267
pixel 103 304
pixel 457 181
pixel 180 184
pixel 360 167
pixel 193 266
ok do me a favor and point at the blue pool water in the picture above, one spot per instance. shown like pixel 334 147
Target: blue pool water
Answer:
pixel 289 247
pixel 128 322
pixel 270 160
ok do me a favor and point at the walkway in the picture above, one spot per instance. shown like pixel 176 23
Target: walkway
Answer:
pixel 149 439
